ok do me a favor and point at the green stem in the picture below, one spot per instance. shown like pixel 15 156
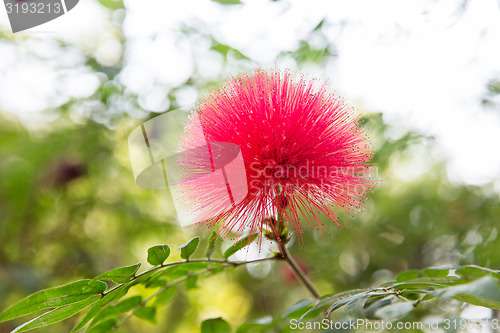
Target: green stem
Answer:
pixel 296 268
pixel 224 262
pixel 299 272
pixel 159 291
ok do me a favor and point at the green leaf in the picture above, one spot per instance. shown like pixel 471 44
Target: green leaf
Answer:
pixel 329 299
pixel 105 326
pixel 337 305
pixel 115 310
pixel 211 245
pixel 258 325
pixel 228 2
pixel 54 297
pixel 334 302
pixel 156 283
pixel 108 298
pixel 224 50
pixel 188 249
pixel 175 272
pixel 483 292
pixel 394 311
pixel 425 282
pixel 145 277
pixel 356 304
pixel 147 313
pixel 407 275
pixel 241 243
pixel 191 282
pixel 474 271
pixel 120 275
pixel 112 4
pixel 158 254
pixel 436 272
pixel 355 307
pixel 216 325
pixel 56 315
pixel 376 303
pixel 152 281
pixel 164 296
pixel 216 268
pixel 298 309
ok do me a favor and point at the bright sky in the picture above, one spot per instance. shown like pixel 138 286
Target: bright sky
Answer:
pixel 423 63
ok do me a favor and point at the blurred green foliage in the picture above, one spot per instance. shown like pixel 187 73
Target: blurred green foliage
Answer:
pixel 70 210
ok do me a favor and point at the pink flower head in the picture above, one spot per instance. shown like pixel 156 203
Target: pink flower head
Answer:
pixel 303 152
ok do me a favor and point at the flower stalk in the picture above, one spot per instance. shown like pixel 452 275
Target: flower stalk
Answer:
pixel 285 254
pixel 299 272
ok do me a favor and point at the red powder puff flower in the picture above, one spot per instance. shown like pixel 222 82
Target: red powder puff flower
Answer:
pixel 303 152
